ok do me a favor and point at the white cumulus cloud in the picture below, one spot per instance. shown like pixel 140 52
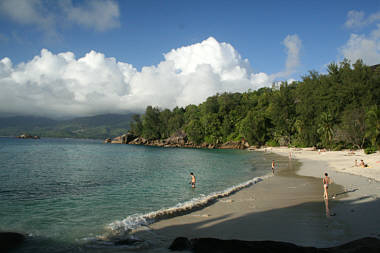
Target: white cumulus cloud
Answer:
pixel 59 85
pixel 293 45
pixel 363 46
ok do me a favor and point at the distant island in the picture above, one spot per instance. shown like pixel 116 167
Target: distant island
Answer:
pixel 28 136
pixel 94 127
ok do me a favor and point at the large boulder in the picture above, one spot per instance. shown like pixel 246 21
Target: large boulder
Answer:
pixel 10 241
pixel 129 137
pixel 232 145
pixel 117 140
pixel 178 138
pixel 138 141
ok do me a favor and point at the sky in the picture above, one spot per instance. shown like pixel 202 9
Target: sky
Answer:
pixel 73 58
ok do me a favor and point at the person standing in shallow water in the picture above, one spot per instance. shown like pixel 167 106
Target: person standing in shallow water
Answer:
pixel 273 167
pixel 326 182
pixel 193 180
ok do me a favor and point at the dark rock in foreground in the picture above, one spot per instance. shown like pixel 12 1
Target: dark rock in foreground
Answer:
pixel 10 240
pixel 209 245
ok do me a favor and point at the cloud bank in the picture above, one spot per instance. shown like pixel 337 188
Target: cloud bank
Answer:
pixel 61 85
pixel 365 46
pixel 97 14
pixel 357 19
pixel 94 14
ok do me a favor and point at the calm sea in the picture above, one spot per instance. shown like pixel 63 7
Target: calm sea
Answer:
pixel 64 193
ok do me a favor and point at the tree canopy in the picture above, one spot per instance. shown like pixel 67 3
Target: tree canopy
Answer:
pixel 333 110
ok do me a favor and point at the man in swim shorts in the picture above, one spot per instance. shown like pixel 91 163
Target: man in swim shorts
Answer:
pixel 193 180
pixel 273 167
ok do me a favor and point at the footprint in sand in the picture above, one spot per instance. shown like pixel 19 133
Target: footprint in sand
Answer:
pixel 201 215
pixel 226 200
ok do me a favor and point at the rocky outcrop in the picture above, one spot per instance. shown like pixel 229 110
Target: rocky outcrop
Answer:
pixel 233 145
pixel 10 241
pixel 178 140
pixel 209 245
pixel 123 139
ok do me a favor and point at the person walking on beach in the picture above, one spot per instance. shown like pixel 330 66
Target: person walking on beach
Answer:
pixel 326 181
pixel 273 167
pixel 193 180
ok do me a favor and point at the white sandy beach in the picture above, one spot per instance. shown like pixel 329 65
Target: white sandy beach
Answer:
pixel 289 206
pixel 340 161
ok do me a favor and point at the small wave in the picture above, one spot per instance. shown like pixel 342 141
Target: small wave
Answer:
pixel 137 221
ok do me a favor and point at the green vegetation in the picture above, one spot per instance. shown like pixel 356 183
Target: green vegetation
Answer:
pixel 340 109
pixel 370 150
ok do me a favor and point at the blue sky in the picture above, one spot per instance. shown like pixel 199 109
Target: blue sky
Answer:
pixel 141 33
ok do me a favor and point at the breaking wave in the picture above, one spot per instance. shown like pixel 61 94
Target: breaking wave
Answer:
pixel 137 221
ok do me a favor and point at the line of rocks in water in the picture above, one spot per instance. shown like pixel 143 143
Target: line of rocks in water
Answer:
pixel 179 140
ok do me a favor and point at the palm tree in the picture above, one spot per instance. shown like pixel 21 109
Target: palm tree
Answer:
pixel 326 128
pixel 373 126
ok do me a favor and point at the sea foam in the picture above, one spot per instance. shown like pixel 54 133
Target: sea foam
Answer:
pixel 137 221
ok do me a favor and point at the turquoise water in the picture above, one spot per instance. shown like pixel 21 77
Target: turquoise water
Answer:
pixel 64 191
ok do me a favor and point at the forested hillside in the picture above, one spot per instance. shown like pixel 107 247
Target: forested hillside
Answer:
pixel 340 109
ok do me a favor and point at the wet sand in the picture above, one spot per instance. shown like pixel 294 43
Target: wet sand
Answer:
pixel 286 207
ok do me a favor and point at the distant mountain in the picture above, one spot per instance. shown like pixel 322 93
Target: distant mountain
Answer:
pixel 27 122
pixel 95 127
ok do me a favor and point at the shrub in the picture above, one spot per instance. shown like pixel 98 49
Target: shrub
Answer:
pixel 272 143
pixel 370 150
pixel 338 147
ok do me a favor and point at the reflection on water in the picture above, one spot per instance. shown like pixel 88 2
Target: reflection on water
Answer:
pixel 329 213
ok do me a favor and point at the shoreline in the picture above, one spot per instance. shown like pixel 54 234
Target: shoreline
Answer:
pixel 287 207
pixel 136 221
pixel 339 161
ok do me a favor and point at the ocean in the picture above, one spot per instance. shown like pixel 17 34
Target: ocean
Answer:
pixel 68 195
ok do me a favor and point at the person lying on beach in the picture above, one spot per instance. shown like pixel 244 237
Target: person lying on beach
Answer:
pixel 193 180
pixel 362 164
pixel 326 182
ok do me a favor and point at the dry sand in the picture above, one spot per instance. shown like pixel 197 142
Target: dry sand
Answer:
pixel 289 206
